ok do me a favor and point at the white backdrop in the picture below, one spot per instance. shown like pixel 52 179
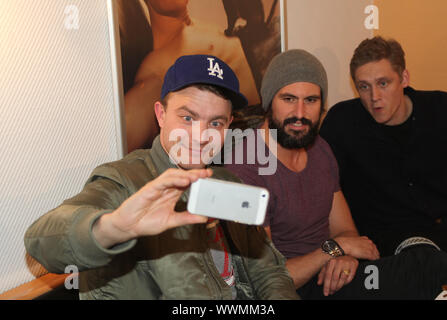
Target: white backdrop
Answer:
pixel 330 30
pixel 60 102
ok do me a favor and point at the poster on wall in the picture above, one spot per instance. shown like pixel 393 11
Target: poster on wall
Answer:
pixel 154 33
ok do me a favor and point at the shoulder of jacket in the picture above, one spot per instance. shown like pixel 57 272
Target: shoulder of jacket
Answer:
pixel 345 106
pixel 131 167
pixel 426 94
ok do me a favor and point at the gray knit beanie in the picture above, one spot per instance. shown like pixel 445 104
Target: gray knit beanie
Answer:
pixel 290 67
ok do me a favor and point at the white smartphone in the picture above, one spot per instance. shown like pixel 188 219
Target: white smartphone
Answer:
pixel 228 201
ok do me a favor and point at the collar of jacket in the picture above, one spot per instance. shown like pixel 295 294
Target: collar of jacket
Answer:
pixel 160 159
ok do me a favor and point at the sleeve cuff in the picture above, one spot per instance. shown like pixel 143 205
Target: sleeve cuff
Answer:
pixel 86 248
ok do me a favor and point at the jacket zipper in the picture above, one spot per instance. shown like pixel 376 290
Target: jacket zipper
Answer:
pixel 212 274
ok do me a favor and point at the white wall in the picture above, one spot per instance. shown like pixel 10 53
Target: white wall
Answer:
pixel 421 28
pixel 59 114
pixel 330 30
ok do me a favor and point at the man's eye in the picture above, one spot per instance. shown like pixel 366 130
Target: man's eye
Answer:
pixel 289 99
pixel 363 87
pixel 216 124
pixel 383 84
pixel 187 118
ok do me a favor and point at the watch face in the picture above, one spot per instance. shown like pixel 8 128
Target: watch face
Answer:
pixel 328 246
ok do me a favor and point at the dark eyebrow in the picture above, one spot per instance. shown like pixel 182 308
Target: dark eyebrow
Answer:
pixel 375 80
pixel 359 82
pixel 313 97
pixel 287 95
pixel 384 79
pixel 185 108
pixel 221 117
pixel 196 115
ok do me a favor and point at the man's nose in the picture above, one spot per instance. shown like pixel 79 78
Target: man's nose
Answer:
pixel 300 109
pixel 200 133
pixel 375 93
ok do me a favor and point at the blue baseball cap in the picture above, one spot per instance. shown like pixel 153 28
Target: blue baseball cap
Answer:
pixel 203 69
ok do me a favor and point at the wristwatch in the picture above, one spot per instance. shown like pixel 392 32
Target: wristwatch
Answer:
pixel 332 248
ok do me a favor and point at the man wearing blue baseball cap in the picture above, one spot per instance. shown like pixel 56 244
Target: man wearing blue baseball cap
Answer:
pixel 128 230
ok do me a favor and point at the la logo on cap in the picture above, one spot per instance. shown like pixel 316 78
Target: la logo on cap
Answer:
pixel 214 69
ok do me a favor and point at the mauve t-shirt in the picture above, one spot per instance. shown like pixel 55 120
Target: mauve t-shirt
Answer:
pixel 300 203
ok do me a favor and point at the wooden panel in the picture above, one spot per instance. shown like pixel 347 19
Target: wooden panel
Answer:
pixel 35 288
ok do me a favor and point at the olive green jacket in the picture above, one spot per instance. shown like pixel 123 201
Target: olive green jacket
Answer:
pixel 176 264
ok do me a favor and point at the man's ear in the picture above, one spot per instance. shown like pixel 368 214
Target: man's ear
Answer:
pixel 405 78
pixel 231 120
pixel 160 113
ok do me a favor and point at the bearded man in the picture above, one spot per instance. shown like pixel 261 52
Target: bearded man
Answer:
pixel 308 218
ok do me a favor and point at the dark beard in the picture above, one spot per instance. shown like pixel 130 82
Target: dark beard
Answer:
pixel 298 140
